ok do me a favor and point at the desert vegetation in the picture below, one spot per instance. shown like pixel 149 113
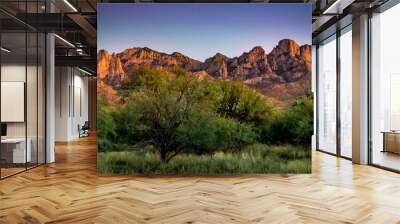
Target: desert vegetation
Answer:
pixel 170 122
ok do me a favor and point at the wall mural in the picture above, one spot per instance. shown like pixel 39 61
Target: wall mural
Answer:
pixel 200 89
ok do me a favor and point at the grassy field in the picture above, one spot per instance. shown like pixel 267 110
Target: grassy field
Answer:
pixel 256 159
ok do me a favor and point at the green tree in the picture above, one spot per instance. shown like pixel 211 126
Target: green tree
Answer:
pixel 206 132
pixel 304 110
pixel 143 77
pixel 294 125
pixel 245 104
pixel 106 126
pixel 177 114
pixel 163 109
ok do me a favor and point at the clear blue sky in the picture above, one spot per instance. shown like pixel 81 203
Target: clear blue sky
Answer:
pixel 201 30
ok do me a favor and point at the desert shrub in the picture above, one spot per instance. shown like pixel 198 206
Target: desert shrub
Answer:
pixel 171 112
pixel 106 127
pixel 128 128
pixel 245 104
pixel 205 132
pixel 293 125
pixel 160 112
pixel 304 108
pixel 178 116
pixel 143 77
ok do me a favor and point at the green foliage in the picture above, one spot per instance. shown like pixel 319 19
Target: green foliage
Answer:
pixel 128 128
pixel 294 125
pixel 106 126
pixel 255 159
pixel 177 116
pixel 244 104
pixel 205 132
pixel 162 110
pixel 143 77
pixel 170 116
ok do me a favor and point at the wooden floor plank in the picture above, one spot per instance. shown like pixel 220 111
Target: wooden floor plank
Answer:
pixel 70 191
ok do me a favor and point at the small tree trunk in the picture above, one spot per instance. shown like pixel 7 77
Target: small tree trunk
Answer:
pixel 164 155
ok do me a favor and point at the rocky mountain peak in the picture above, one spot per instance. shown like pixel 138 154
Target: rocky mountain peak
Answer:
pixel 282 74
pixel 287 60
pixel 216 66
pixel 253 56
pixel 103 59
pixel 306 55
pixel 287 46
pixel 102 53
pixel 257 50
pixel 218 57
pixel 145 49
pixel 177 54
pixel 305 52
pixel 109 67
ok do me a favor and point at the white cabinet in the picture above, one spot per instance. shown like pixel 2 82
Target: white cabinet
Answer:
pixel 19 154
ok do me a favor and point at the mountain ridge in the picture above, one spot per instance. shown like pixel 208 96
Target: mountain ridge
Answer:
pixel 283 74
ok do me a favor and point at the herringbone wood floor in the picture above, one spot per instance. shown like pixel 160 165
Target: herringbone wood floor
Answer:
pixel 70 191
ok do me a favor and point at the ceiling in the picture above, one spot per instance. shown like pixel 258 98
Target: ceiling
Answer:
pixel 75 21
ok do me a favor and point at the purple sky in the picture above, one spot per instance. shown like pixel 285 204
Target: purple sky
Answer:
pixel 201 30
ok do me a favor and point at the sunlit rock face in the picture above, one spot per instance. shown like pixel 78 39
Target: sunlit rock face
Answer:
pixel 283 74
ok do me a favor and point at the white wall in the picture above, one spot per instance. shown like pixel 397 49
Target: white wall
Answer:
pixel 71 102
pixel 62 82
pixel 80 109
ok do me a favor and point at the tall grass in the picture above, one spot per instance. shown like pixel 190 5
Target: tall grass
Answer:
pixel 258 159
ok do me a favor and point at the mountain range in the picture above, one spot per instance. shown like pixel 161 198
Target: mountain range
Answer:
pixel 283 74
